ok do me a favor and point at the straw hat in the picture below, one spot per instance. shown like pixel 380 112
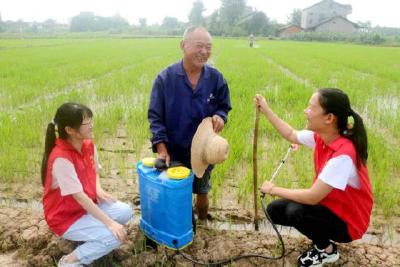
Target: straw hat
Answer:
pixel 207 148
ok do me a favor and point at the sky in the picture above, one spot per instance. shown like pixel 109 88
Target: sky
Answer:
pixel 379 12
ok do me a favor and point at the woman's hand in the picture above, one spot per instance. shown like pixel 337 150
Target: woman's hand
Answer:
pixel 260 102
pixel 104 196
pixel 118 231
pixel 267 187
pixel 87 203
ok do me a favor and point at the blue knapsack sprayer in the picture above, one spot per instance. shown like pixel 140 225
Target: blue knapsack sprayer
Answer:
pixel 166 204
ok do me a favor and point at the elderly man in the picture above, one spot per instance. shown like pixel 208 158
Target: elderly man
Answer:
pixel 182 96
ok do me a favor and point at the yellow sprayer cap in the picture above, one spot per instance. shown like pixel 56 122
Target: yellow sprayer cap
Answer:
pixel 148 162
pixel 178 172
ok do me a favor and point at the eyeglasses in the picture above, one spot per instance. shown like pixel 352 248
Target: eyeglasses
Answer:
pixel 90 123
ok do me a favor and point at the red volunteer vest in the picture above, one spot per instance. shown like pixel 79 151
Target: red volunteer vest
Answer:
pixel 62 211
pixel 352 205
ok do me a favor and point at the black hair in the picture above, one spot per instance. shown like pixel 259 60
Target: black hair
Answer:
pixel 68 114
pixel 335 101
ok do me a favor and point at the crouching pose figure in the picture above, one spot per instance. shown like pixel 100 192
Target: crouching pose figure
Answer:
pixel 75 205
pixel 337 207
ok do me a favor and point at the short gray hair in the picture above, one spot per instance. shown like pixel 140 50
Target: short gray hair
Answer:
pixel 191 29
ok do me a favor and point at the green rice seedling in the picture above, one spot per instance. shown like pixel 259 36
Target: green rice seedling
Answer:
pixel 114 77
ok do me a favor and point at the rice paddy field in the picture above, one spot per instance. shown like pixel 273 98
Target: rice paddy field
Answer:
pixel 114 78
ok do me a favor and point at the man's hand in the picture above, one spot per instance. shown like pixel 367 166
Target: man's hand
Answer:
pixel 218 123
pixel 163 153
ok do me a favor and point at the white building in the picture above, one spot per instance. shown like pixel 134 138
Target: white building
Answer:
pixel 328 16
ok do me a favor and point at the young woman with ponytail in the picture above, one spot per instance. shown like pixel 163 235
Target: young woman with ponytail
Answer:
pixel 337 207
pixel 75 205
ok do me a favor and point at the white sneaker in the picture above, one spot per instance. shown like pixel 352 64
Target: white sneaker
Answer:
pixel 317 257
pixel 63 263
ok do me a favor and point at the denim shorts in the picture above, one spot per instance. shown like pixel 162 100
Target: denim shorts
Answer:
pixel 202 185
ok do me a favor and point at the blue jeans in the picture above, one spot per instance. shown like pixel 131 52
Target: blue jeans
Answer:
pixel 99 240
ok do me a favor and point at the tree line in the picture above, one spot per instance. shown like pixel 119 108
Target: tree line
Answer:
pixel 232 18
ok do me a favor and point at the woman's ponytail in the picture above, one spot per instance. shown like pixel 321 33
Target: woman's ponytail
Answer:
pixel 49 143
pixel 358 135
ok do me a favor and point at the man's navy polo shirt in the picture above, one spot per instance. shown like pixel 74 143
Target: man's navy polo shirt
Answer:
pixel 176 110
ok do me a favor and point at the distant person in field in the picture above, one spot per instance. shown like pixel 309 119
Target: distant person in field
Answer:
pixel 251 40
pixel 183 95
pixel 75 205
pixel 337 207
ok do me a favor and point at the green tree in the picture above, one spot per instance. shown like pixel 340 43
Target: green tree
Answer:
pixel 295 17
pixel 49 25
pixel 169 23
pixel 143 23
pixel 83 22
pixel 256 23
pixel 171 26
pixel 213 23
pixel 195 16
pixel 2 25
pixel 365 26
pixel 87 21
pixel 231 12
pixel 117 23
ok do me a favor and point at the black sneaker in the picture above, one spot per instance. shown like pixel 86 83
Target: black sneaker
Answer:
pixel 317 257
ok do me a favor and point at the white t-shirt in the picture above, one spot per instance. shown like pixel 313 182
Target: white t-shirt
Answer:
pixel 65 176
pixel 339 171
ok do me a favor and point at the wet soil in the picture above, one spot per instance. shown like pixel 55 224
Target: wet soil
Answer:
pixel 25 234
pixel 25 239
